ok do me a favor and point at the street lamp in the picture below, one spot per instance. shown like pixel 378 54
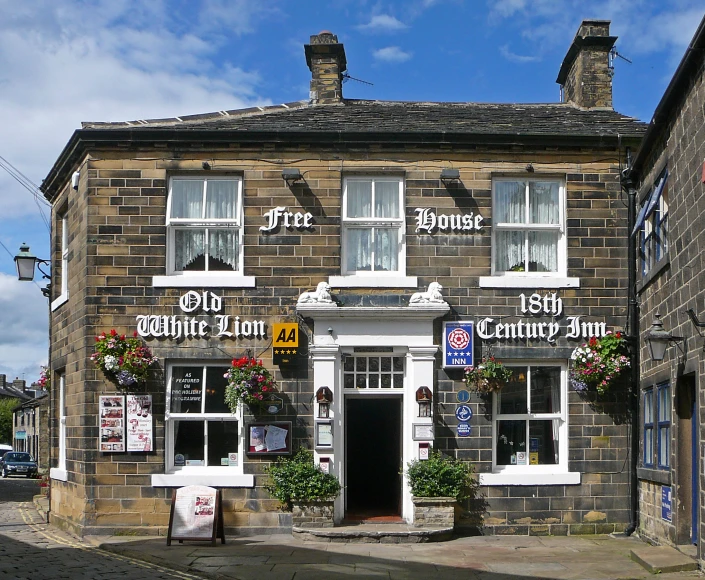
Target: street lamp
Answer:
pixel 25 262
pixel 659 339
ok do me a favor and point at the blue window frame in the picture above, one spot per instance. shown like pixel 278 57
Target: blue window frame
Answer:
pixel 652 224
pixel 649 427
pixel 663 437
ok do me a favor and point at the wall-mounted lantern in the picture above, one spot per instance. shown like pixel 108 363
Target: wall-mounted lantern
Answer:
pixel 659 339
pixel 324 397
pixel 423 398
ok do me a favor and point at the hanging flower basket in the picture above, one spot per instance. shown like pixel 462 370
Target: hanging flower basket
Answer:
pixel 489 376
pixel 249 382
pixel 125 360
pixel 599 364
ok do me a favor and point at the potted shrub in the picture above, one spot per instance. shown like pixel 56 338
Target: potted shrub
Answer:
pixel 489 376
pixel 437 485
pixel 302 487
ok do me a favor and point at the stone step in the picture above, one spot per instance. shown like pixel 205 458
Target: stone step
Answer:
pixel 663 559
pixel 387 533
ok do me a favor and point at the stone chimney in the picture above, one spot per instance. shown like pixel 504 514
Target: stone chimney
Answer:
pixel 585 76
pixel 325 56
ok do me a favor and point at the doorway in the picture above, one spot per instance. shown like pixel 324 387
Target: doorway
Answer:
pixel 686 474
pixel 373 458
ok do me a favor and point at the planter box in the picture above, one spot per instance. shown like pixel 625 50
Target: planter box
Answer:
pixel 315 514
pixel 436 512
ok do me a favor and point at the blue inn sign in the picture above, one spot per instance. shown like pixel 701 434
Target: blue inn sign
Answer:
pixel 458 344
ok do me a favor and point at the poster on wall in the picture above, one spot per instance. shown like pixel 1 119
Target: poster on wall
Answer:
pixel 112 423
pixel 196 514
pixel 269 438
pixel 139 422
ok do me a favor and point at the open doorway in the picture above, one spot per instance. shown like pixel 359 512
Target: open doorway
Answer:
pixel 373 458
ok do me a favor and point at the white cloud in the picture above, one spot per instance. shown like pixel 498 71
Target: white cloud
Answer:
pixel 23 340
pixel 382 23
pixel 391 54
pixel 509 55
pixel 506 8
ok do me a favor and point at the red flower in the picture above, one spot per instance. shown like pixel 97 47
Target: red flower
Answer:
pixel 113 332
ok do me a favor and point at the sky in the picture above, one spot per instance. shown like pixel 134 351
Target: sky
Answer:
pixel 67 61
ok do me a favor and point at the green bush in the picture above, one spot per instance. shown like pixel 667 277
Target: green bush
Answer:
pixel 298 478
pixel 441 476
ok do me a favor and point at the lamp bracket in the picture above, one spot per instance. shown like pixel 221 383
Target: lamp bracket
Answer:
pixel 694 318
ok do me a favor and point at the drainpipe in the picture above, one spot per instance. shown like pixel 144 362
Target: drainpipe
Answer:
pixel 633 337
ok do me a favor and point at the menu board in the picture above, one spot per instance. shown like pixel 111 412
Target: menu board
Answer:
pixel 139 422
pixel 196 514
pixel 269 438
pixel 112 423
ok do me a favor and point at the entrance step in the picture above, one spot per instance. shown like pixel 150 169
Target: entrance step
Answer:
pixel 663 559
pixel 366 533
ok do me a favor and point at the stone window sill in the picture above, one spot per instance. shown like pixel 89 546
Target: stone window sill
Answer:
pixel 527 478
pixel 208 479
pixel 203 281
pixel 373 282
pixel 548 282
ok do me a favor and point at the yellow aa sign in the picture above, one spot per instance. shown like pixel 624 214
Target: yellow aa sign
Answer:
pixel 285 335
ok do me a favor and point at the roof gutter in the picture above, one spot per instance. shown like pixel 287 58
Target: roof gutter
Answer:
pixel 84 140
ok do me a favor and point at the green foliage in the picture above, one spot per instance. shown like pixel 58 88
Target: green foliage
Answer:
pixel 6 406
pixel 441 476
pixel 298 478
pixel 488 376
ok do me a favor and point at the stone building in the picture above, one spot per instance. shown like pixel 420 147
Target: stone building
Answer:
pixel 393 241
pixel 30 429
pixel 667 174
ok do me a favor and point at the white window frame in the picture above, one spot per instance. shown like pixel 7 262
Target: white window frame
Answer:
pixel 64 272
pixel 374 278
pixel 557 474
pixel 59 472
pixel 220 278
pixel 557 279
pixel 214 475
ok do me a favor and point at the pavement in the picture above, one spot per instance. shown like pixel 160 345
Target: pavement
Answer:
pixel 284 557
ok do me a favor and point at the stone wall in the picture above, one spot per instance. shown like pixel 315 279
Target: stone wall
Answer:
pixel 118 242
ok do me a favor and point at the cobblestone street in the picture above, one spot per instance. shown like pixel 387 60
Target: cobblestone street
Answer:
pixel 31 550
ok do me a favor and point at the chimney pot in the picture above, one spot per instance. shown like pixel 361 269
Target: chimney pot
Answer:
pixel 585 75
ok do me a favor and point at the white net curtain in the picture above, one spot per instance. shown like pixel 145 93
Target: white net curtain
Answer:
pixel 372 247
pixel 207 238
pixel 527 216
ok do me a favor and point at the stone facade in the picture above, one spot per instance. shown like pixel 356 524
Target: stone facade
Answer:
pixel 118 246
pixel 673 284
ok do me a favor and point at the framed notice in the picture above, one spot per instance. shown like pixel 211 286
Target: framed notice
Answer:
pixel 422 432
pixel 139 422
pixel 269 438
pixel 112 423
pixel 196 514
pixel 324 434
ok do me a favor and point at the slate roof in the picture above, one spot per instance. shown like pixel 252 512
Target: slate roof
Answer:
pixel 401 118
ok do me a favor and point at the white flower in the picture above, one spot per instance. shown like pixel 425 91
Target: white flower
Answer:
pixel 110 362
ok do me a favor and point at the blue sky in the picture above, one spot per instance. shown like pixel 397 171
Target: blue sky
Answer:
pixel 110 60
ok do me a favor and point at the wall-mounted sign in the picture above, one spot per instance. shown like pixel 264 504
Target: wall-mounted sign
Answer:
pixel 280 216
pixel 666 504
pixel 463 413
pixel 463 396
pixel 428 221
pixel 457 344
pixel 285 342
pixel 464 429
pixel 535 304
pixel 112 423
pixel 177 327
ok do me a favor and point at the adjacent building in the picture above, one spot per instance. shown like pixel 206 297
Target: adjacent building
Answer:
pixel 667 177
pixel 366 252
